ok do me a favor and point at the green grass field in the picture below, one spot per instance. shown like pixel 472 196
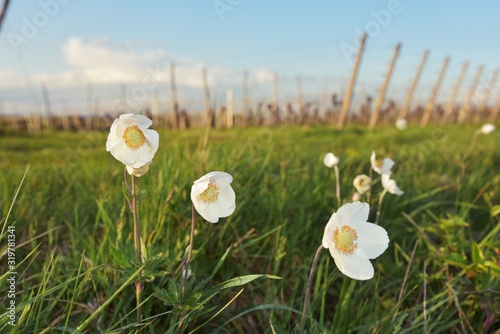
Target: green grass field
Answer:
pixel 440 274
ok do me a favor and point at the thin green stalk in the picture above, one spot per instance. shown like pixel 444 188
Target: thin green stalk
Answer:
pixel 337 188
pixel 472 144
pixel 379 206
pixel 185 267
pixel 137 241
pixel 308 289
pixel 369 192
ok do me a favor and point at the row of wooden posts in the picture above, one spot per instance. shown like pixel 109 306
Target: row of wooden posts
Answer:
pixel 337 114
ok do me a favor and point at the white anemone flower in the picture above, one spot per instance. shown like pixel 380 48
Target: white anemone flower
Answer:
pixel 381 167
pixel 401 124
pixel 139 171
pixel 390 185
pixel 487 128
pixel 131 142
pixel 213 197
pixel 330 160
pixel 352 241
pixel 362 183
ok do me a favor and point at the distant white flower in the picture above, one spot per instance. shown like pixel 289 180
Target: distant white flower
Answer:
pixel 131 142
pixel 381 167
pixel 390 185
pixel 401 124
pixel 352 241
pixel 330 160
pixel 362 183
pixel 213 197
pixel 356 196
pixel 487 128
pixel 139 171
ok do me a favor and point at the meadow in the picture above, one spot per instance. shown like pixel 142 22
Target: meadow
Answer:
pixel 71 222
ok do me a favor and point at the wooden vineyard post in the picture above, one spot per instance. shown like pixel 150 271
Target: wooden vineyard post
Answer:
pixel 206 94
pixel 89 114
pixel 430 105
pixel 350 89
pixel 453 98
pixel 300 101
pixel 323 104
pixel 495 110
pixel 173 97
pixel 245 100
pixel 229 108
pixel 409 96
pixel 486 96
pixel 275 102
pixel 464 111
pixel 383 90
pixel 47 120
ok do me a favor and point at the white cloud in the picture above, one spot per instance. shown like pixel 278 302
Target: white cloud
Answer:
pixel 101 64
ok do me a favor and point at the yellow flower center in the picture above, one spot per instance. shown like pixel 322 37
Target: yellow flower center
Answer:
pixel 134 137
pixel 379 163
pixel 344 238
pixel 210 194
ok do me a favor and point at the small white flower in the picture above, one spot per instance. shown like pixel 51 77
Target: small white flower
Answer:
pixel 390 185
pixel 362 183
pixel 131 142
pixel 213 197
pixel 401 124
pixel 487 128
pixel 381 167
pixel 330 160
pixel 352 241
pixel 356 196
pixel 139 171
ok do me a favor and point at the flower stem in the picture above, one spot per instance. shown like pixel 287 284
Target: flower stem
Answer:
pixel 369 192
pixel 379 206
pixel 137 243
pixel 472 144
pixel 185 267
pixel 308 289
pixel 337 188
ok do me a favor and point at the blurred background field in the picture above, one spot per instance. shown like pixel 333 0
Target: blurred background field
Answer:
pixel 440 273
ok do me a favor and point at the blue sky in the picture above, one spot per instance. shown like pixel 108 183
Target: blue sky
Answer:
pixel 69 44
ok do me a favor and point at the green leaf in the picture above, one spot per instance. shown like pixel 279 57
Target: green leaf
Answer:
pixel 495 210
pixel 141 195
pixel 237 281
pixel 477 254
pixel 219 264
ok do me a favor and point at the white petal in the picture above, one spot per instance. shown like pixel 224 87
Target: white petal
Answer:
pixel 220 178
pixel 353 214
pixel 140 120
pixel 387 166
pixel 329 229
pixel 205 211
pixel 353 266
pixel 372 240
pixel 197 188
pixel 390 185
pixel 227 200
pixel 373 160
